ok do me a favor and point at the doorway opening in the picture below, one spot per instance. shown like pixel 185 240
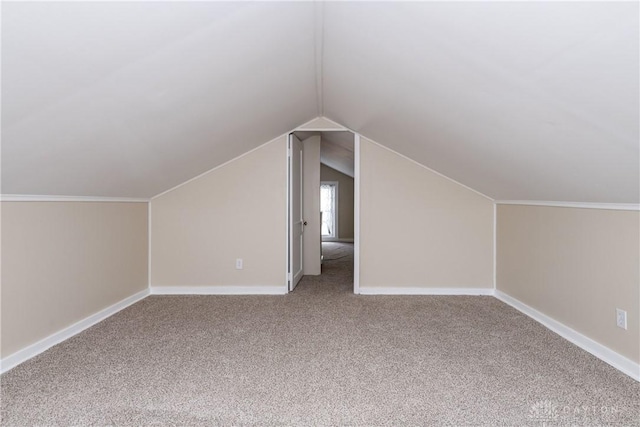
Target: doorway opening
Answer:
pixel 322 205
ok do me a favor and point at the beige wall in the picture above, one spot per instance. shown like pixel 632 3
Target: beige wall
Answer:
pixel 235 211
pixel 311 205
pixel 64 261
pixel 576 266
pixel 419 229
pixel 345 199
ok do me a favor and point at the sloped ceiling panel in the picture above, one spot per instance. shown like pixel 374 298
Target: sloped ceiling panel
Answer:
pixel 336 149
pixel 130 99
pixel 518 100
pixel 337 152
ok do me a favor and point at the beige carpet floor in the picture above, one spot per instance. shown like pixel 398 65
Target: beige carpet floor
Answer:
pixel 318 356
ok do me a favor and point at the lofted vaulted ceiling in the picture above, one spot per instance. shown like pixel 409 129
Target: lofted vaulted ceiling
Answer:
pixel 132 98
pixel 518 100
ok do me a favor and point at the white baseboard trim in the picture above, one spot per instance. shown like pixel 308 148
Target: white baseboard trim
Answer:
pixel 33 350
pixel 219 290
pixel 424 291
pixel 603 353
pixel 332 240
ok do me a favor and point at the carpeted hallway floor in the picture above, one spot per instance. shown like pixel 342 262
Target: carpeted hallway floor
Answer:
pixel 318 356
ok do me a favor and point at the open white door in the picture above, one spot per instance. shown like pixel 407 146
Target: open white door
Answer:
pixel 296 221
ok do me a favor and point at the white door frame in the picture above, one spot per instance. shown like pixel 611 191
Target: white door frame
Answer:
pixel 287 227
pixel 356 206
pixel 291 281
pixel 356 213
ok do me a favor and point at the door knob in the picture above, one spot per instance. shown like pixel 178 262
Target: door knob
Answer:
pixel 304 223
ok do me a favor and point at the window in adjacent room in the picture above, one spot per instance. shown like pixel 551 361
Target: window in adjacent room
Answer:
pixel 329 208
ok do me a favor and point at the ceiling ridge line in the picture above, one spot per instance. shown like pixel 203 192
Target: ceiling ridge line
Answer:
pixel 319 54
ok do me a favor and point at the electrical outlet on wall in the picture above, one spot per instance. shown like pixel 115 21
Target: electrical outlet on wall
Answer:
pixel 239 264
pixel 621 318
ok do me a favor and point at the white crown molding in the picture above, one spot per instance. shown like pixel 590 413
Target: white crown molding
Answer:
pixel 600 351
pixel 219 290
pixel 33 350
pixel 424 291
pixel 36 198
pixel 579 205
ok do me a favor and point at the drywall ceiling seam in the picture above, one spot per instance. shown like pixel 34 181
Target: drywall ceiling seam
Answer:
pixel 578 205
pixel 319 54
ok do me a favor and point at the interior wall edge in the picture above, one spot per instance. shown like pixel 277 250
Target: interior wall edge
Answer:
pixel 149 246
pixel 621 363
pixel 356 213
pixel 495 245
pixel 64 334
